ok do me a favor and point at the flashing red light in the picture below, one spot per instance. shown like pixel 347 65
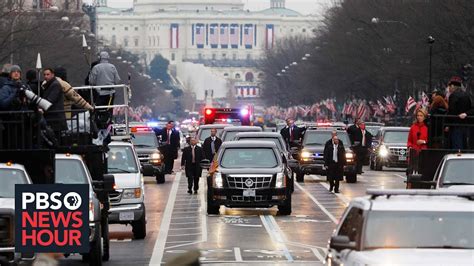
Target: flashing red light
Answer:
pixel 141 129
pixel 208 111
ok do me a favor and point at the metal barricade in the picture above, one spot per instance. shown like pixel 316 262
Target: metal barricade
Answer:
pixel 438 138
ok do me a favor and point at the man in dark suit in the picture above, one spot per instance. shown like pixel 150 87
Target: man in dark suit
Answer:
pixel 334 160
pixel 291 133
pixel 362 149
pixel 170 141
pixel 354 132
pixel 211 145
pixel 190 159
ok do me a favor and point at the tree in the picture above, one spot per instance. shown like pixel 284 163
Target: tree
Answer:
pixel 159 69
pixel 354 55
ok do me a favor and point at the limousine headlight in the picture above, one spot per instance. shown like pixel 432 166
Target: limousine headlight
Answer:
pixel 218 182
pixel 280 180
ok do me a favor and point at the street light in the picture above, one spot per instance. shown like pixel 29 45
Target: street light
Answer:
pixel 376 20
pixel 430 41
pixel 294 64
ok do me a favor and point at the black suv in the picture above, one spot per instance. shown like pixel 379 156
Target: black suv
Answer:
pixel 390 149
pixel 250 174
pixel 311 154
pixel 146 145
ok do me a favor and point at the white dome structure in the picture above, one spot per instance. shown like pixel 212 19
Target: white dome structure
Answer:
pixel 153 6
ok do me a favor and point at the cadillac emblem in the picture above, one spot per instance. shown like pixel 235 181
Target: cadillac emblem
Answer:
pixel 402 152
pixel 249 182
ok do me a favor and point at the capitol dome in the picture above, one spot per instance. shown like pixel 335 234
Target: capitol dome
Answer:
pixel 153 6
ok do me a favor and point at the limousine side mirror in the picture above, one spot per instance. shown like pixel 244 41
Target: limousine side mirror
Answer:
pixel 339 243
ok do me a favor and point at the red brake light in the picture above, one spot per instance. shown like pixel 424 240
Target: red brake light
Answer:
pixel 208 111
pixel 141 129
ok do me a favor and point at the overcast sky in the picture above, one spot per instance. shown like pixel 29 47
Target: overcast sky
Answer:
pixel 302 6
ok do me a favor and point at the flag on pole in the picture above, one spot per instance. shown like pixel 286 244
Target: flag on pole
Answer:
pixel 174 36
pixel 410 104
pixel 425 101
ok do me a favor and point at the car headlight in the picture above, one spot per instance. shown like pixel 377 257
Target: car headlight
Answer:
pixel 349 155
pixel 218 182
pixel 383 151
pixel 133 193
pixel 280 180
pixel 305 154
pixel 156 156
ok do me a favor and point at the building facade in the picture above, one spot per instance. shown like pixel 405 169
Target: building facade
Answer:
pixel 219 34
pixel 65 5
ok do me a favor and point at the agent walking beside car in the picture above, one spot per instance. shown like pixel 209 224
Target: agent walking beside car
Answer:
pixel 190 160
pixel 362 148
pixel 334 160
pixel 170 141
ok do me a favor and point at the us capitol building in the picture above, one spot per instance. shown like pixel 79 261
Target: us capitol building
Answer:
pixel 211 44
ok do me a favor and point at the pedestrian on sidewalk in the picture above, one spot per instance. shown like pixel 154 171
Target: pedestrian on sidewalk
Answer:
pixel 190 162
pixel 334 160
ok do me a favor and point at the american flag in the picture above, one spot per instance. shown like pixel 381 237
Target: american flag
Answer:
pixel 248 35
pixel 410 104
pixel 234 35
pixel 425 101
pixel 224 35
pixel 390 107
pixel 200 35
pixel 270 37
pixel 214 35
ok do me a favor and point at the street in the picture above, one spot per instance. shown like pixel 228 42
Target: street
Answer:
pixel 177 222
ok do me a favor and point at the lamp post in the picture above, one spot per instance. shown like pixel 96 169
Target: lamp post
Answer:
pixel 430 41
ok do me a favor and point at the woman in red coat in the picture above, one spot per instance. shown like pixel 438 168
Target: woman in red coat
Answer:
pixel 418 137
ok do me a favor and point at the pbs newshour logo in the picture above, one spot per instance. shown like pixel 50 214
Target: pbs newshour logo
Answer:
pixel 52 218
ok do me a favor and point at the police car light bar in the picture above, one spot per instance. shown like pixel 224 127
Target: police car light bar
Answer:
pixel 417 192
pixel 141 129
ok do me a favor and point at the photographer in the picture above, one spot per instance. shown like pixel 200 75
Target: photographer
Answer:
pixel 52 91
pixel 12 96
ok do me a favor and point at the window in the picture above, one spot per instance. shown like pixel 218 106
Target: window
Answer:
pixel 226 75
pixel 113 28
pixel 136 28
pixel 260 76
pixel 213 56
pixel 125 42
pixel 224 56
pixel 247 157
pixel 114 40
pixel 249 77
pixel 199 56
pixel 136 42
pixel 149 41
pixel 237 76
pixel 292 30
pixel 101 28
pixel 154 41
pixel 304 30
pixel 249 57
pixel 234 56
pixel 352 225
pixel 173 57
pixel 125 28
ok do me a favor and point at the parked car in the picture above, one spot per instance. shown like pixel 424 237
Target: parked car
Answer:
pixel 405 227
pixel 391 149
pixel 250 174
pixel 128 200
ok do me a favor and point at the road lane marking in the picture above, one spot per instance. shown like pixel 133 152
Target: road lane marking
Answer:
pixel 203 211
pixel 325 185
pixel 238 254
pixel 317 254
pixel 317 203
pixel 159 248
pixel 187 234
pixel 276 234
pixel 402 177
